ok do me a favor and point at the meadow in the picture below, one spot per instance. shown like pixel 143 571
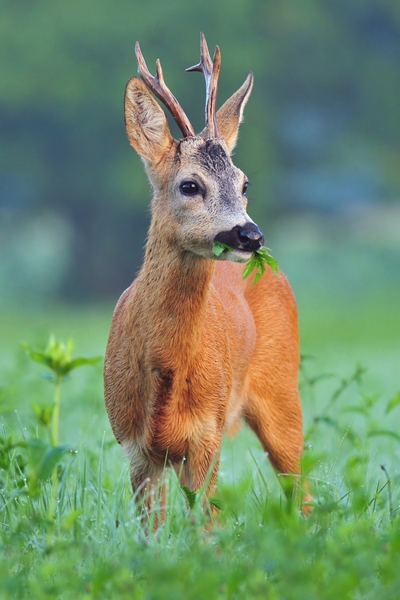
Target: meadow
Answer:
pixel 69 526
pixel 321 145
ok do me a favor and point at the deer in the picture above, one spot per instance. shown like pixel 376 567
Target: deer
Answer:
pixel 194 348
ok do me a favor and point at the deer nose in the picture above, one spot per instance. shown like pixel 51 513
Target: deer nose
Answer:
pixel 242 237
pixel 251 238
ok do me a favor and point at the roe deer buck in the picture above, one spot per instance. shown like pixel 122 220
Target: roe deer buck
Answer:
pixel 193 348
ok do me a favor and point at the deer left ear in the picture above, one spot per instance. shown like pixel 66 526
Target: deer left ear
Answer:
pixel 230 115
pixel 146 123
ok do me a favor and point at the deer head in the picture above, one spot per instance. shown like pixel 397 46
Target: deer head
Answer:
pixel 199 195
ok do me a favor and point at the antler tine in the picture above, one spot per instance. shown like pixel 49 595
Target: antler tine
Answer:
pixel 158 87
pixel 211 72
pixel 205 65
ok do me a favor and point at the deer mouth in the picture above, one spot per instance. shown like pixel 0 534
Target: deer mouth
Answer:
pixel 245 238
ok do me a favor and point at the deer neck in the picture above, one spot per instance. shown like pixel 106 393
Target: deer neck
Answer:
pixel 173 285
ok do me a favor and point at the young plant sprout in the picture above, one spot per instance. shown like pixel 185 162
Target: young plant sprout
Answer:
pixel 57 357
pixel 258 260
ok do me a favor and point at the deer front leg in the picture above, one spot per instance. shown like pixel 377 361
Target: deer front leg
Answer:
pixel 278 426
pixel 150 493
pixel 201 469
pixel 277 422
pixel 148 484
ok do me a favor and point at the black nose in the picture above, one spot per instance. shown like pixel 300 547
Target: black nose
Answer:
pixel 242 237
pixel 251 237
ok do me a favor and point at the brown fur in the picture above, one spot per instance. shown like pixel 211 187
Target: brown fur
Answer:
pixel 194 348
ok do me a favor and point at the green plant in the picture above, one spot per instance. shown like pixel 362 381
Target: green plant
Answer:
pixel 258 546
pixel 258 260
pixel 57 357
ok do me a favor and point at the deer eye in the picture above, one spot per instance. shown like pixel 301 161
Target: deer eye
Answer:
pixel 189 188
pixel 245 186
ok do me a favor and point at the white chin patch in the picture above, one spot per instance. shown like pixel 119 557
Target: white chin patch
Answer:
pixel 239 256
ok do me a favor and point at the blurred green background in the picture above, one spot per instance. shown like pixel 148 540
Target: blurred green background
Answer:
pixel 320 144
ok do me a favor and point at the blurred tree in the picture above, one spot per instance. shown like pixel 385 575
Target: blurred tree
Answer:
pixel 322 126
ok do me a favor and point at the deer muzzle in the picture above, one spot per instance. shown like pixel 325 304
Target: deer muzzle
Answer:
pixel 246 237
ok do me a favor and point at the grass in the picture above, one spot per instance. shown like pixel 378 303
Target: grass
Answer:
pixel 90 542
pixel 260 545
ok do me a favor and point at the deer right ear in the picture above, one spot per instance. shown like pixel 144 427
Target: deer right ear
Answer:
pixel 145 122
pixel 230 115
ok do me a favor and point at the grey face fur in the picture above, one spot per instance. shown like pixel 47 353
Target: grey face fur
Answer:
pixel 220 204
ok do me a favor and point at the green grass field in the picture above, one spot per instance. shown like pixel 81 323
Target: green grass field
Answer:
pixel 69 528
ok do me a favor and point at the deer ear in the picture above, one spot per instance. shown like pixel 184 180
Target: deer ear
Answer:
pixel 230 115
pixel 145 122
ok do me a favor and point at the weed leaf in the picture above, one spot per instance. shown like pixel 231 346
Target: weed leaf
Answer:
pixel 43 458
pixel 190 495
pixel 385 432
pixel 219 247
pixel 80 361
pixel 43 413
pixel 259 259
pixel 57 356
pixel 393 402
pixel 217 502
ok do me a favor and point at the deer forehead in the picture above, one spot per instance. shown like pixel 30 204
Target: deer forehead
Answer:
pixel 209 158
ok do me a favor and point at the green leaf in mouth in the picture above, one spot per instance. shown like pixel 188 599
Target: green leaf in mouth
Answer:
pixel 258 260
pixel 219 247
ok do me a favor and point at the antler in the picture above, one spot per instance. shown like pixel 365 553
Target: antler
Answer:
pixel 157 85
pixel 211 73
